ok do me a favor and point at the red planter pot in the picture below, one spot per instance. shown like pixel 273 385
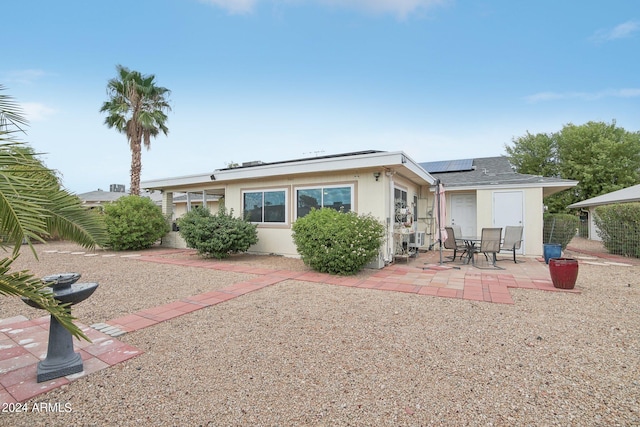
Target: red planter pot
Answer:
pixel 564 272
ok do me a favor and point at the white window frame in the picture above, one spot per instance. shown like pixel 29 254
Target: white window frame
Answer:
pixel 322 187
pixel 269 190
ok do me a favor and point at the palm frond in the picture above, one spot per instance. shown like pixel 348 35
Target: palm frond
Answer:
pixel 21 199
pixel 67 218
pixel 23 284
pixel 11 113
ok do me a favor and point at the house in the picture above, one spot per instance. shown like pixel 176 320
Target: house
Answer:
pixel 488 192
pixel 99 198
pixel 388 185
pixel 626 195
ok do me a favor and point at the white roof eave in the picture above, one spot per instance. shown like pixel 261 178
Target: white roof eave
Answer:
pixel 625 195
pixel 562 185
pixel 397 160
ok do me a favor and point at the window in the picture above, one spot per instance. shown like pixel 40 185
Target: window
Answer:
pixel 265 206
pixel 400 198
pixel 335 197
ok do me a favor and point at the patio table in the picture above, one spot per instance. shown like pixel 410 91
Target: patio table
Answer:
pixel 470 242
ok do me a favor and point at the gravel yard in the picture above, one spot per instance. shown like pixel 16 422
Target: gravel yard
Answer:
pixel 299 353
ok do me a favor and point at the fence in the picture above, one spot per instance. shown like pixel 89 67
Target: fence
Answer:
pixel 618 239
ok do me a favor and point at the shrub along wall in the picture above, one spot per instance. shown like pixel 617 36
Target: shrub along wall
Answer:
pixel 335 242
pixel 619 228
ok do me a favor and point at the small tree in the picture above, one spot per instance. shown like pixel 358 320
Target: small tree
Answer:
pixel 217 235
pixel 602 157
pixel 335 242
pixel 133 223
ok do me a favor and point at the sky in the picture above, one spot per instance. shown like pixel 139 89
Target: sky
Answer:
pixel 275 80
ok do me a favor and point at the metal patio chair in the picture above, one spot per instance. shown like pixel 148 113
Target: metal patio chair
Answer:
pixel 454 244
pixel 512 240
pixel 489 244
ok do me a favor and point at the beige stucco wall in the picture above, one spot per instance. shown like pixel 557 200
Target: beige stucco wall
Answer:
pixel 532 212
pixel 369 198
pixel 533 209
pixel 180 209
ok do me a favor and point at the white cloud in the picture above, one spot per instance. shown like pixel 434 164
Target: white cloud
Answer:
pixel 36 111
pixel 400 8
pixel 584 96
pixel 24 76
pixel 624 30
pixel 234 6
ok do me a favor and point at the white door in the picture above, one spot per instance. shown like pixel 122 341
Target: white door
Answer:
pixel 463 213
pixel 508 209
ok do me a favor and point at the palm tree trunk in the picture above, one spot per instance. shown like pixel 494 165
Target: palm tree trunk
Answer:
pixel 136 168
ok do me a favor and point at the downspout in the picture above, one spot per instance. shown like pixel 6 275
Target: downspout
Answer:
pixel 391 217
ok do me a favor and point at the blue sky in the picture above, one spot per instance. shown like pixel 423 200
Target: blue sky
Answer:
pixel 283 79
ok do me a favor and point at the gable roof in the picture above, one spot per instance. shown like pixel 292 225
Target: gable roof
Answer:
pixel 626 195
pixel 491 171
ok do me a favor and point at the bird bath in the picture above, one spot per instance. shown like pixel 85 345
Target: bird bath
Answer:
pixel 61 360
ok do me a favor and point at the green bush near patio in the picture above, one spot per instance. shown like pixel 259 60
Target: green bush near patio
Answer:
pixel 619 228
pixel 134 223
pixel 217 235
pixel 335 242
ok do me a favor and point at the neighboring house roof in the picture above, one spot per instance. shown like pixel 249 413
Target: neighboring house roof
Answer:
pixel 468 174
pixel 98 197
pixel 626 195
pixel 313 165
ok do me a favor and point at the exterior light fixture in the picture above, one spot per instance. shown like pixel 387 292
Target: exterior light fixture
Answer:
pixel 376 175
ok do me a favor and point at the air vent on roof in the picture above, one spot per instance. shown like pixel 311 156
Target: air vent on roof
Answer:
pixel 252 163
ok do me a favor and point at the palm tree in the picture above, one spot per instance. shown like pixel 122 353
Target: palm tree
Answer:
pixel 33 206
pixel 137 108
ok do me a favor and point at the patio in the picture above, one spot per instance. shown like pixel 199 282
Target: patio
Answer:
pixel 23 342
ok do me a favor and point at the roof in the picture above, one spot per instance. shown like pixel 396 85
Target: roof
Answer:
pixel 100 196
pixel 626 195
pixel 491 171
pixel 282 162
pixel 313 165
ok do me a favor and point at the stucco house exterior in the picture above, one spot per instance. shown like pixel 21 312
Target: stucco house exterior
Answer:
pixel 388 185
pixel 625 195
pixel 487 192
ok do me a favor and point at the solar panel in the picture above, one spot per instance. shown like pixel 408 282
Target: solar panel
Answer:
pixel 448 166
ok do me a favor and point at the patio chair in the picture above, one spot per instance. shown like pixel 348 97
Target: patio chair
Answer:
pixel 490 244
pixel 512 240
pixel 452 243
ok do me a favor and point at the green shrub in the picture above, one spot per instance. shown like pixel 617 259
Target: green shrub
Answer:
pixel 336 242
pixel 560 228
pixel 217 235
pixel 134 223
pixel 619 228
